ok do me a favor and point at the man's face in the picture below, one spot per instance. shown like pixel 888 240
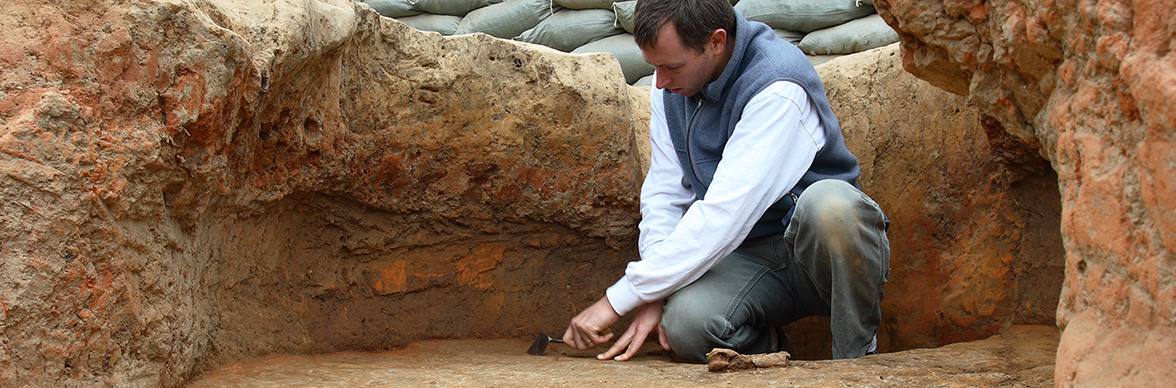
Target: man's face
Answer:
pixel 681 69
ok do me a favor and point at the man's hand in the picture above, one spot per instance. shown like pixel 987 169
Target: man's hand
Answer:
pixel 591 326
pixel 648 317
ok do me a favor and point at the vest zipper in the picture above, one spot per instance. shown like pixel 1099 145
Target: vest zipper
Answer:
pixel 690 143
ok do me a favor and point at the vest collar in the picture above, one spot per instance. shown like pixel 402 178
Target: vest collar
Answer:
pixel 743 33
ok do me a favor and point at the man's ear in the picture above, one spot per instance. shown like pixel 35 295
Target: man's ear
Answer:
pixel 718 40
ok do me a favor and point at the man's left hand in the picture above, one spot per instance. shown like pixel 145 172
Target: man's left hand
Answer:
pixel 648 317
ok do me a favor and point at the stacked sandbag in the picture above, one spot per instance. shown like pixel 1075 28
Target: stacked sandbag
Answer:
pixel 802 15
pixel 599 4
pixel 451 7
pixel 625 11
pixel 820 28
pixel 404 8
pixel 445 24
pixel 625 49
pixel 568 29
pixel 622 46
pixel 644 81
pixel 393 8
pixel 507 19
pixel 586 4
pixel 855 36
pixel 793 37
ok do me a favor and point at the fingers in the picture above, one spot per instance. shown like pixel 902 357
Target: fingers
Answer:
pixel 582 337
pixel 648 317
pixel 572 338
pixel 597 338
pixel 618 346
pixel 630 343
pixel 634 346
pixel 590 327
pixel 575 338
pixel 662 338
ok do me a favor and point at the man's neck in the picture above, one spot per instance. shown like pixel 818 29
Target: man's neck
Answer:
pixel 726 58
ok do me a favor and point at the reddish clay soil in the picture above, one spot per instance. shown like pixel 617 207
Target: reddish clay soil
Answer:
pixel 1022 356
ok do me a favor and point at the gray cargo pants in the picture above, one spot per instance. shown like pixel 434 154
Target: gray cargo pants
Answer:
pixel 832 260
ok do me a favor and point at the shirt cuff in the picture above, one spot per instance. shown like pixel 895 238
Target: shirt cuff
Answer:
pixel 623 296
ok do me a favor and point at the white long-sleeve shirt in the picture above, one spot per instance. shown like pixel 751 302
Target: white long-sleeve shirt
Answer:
pixel 773 144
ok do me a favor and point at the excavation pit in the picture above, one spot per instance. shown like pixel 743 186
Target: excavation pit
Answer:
pixel 242 180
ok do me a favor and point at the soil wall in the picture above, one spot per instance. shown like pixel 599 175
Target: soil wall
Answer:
pixel 191 182
pixel 1089 86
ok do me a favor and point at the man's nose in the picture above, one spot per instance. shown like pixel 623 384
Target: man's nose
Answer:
pixel 662 81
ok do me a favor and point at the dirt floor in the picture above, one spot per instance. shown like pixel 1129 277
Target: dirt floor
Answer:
pixel 1022 356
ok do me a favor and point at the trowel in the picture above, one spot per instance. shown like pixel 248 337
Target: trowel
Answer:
pixel 540 345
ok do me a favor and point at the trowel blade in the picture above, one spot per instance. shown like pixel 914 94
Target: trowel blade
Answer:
pixel 540 345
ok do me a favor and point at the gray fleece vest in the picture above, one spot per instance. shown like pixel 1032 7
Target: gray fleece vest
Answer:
pixel 701 125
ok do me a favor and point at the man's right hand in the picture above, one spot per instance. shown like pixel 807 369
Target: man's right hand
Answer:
pixel 591 327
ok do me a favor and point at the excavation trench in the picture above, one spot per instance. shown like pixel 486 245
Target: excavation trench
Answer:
pixel 244 180
pixel 976 251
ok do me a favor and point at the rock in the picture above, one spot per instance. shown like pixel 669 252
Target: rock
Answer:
pixel 727 360
pixel 1088 86
pixel 190 183
pixel 639 100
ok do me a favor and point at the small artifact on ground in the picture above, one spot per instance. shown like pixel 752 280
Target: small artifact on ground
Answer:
pixel 720 359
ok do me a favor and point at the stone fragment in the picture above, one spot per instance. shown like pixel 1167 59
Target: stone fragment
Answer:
pixel 727 360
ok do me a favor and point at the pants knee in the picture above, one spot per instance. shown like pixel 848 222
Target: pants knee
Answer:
pixel 832 208
pixel 829 197
pixel 692 333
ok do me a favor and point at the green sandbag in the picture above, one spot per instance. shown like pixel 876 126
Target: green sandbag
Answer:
pixel 567 29
pixel 586 4
pixel 445 24
pixel 802 15
pixel 625 11
pixel 393 8
pixel 856 36
pixel 452 7
pixel 793 37
pixel 507 19
pixel 625 49
pixel 645 81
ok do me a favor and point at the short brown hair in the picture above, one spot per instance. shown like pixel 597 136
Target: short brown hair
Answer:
pixel 695 20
